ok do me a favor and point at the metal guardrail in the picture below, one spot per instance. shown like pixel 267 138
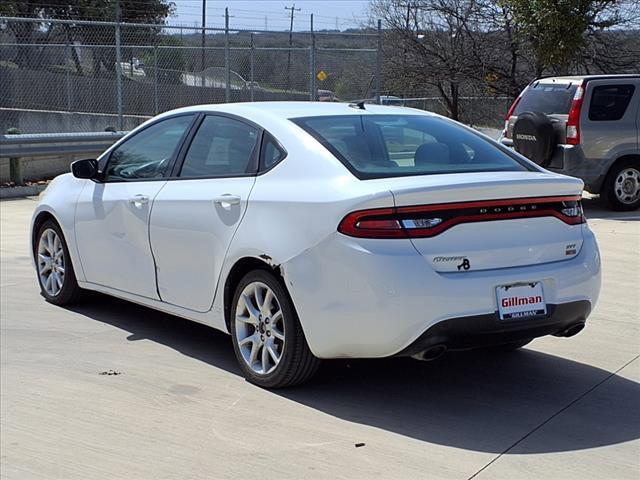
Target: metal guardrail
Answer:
pixel 45 144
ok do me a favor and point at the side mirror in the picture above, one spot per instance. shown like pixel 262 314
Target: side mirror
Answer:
pixel 85 168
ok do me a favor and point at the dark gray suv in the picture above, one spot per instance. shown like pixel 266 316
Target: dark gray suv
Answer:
pixel 584 126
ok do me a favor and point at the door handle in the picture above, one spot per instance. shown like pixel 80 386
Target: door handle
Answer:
pixel 227 200
pixel 139 200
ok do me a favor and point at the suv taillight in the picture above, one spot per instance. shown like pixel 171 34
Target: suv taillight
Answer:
pixel 510 112
pixel 573 122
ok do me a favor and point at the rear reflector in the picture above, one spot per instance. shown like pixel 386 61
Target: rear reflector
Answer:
pixel 430 220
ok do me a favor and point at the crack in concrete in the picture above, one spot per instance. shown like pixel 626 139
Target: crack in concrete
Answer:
pixel 573 402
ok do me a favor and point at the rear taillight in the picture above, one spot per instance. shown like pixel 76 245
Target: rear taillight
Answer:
pixel 430 220
pixel 375 223
pixel 513 106
pixel 573 122
pixel 506 132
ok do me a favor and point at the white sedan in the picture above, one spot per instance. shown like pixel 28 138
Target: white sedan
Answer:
pixel 319 230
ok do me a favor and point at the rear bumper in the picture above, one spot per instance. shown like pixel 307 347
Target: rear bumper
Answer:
pixel 370 298
pixel 570 160
pixel 485 330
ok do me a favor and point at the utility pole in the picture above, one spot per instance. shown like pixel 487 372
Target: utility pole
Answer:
pixel 119 68
pixel 204 24
pixel 227 58
pixel 312 63
pixel 404 44
pixel 293 10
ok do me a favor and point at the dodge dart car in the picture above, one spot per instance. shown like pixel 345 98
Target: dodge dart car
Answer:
pixel 311 231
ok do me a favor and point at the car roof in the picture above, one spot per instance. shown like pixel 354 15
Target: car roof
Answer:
pixel 288 110
pixel 579 78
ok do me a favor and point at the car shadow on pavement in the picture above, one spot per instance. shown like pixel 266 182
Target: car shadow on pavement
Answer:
pixel 478 401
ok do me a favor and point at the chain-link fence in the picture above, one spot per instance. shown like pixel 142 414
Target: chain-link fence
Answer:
pixel 484 111
pixel 68 75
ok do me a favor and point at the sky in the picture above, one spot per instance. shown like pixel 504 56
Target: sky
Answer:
pixel 258 13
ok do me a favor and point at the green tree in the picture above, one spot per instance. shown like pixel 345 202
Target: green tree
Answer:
pixel 557 29
pixel 131 11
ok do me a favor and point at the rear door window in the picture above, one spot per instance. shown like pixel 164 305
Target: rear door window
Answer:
pixel 380 146
pixel 548 98
pixel 609 102
pixel 222 147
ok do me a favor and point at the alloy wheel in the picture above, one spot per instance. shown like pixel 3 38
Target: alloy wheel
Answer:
pixel 627 186
pixel 259 328
pixel 51 262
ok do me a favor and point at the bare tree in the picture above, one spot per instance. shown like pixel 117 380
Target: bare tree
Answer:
pixel 430 43
pixel 500 50
pixel 455 48
pixel 612 44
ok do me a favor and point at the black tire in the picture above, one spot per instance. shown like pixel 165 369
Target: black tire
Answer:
pixel 297 364
pixel 534 137
pixel 70 292
pixel 611 186
pixel 510 347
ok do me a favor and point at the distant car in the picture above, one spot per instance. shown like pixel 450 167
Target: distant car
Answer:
pixel 584 126
pixel 327 96
pixel 392 100
pixel 310 231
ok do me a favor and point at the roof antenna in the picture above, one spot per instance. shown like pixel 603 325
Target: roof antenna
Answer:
pixel 359 105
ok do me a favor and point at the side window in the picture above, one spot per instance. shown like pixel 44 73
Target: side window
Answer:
pixel 148 154
pixel 271 153
pixel 221 147
pixel 609 102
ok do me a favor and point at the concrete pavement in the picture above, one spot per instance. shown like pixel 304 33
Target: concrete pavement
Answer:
pixel 113 390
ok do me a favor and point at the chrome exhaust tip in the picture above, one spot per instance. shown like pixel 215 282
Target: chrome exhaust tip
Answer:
pixel 571 330
pixel 431 353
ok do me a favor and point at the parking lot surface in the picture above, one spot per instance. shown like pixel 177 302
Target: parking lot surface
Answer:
pixel 109 389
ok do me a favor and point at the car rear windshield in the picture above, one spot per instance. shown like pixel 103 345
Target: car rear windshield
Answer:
pixel 379 146
pixel 547 98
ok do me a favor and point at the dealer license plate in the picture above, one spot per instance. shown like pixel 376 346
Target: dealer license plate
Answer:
pixel 521 300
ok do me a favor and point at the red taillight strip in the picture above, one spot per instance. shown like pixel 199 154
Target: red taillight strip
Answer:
pixel 432 232
pixel 350 225
pixel 487 203
pixel 514 105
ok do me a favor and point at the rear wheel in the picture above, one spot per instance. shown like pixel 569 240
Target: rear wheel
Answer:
pixel 267 337
pixel 55 272
pixel 621 189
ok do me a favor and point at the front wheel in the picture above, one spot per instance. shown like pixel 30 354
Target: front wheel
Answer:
pixel 267 337
pixel 55 272
pixel 621 189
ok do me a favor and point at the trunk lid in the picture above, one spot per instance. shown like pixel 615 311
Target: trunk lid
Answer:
pixel 491 220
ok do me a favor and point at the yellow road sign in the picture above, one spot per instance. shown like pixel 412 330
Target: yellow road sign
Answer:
pixel 321 76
